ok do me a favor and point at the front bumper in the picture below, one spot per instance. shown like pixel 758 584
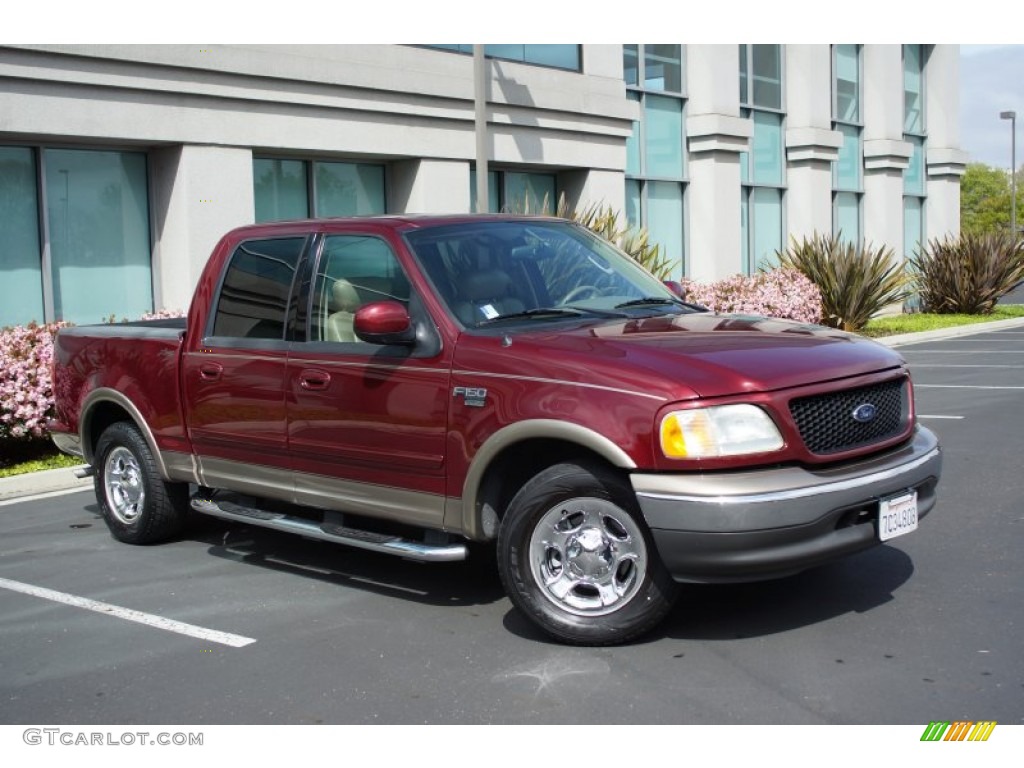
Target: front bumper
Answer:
pixel 762 524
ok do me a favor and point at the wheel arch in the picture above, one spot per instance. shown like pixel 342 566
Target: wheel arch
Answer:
pixel 513 454
pixel 104 407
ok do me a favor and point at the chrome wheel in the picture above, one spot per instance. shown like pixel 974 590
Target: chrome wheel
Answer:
pixel 588 556
pixel 123 484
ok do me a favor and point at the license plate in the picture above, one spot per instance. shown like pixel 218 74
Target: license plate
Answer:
pixel 897 515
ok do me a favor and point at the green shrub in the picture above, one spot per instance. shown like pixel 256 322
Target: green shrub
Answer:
pixel 856 282
pixel 967 274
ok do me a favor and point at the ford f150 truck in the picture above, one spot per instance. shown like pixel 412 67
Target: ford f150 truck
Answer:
pixel 411 385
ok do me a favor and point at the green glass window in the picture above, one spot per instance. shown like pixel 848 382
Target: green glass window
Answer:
pixel 766 75
pixel 663 125
pixel 517 192
pixel 846 170
pixel 847 84
pixel 98 210
pixel 633 202
pixel 281 189
pixel 534 192
pixel 767 148
pixel 846 209
pixel 349 189
pixel 766 213
pixel 913 224
pixel 663 70
pixel 665 218
pixel 913 82
pixel 21 275
pixel 913 176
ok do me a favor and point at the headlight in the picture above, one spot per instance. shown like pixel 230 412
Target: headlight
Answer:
pixel 724 430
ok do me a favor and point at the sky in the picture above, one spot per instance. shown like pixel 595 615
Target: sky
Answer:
pixel 991 81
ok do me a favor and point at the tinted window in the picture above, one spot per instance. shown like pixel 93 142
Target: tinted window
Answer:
pixel 253 300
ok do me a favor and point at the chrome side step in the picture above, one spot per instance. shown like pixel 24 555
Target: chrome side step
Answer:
pixel 338 534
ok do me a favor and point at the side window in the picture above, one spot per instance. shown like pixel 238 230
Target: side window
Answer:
pixel 253 301
pixel 354 270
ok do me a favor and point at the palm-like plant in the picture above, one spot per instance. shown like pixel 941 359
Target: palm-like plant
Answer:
pixel 856 282
pixel 967 274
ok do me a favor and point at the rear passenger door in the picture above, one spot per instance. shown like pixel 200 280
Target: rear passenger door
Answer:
pixel 234 384
pixel 366 422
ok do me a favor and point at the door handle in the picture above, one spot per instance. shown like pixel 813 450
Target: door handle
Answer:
pixel 210 371
pixel 314 381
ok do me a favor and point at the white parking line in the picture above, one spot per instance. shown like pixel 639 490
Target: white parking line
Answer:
pixel 963 365
pixel 202 633
pixel 959 386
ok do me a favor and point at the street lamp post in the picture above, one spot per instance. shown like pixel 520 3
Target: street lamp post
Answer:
pixel 1012 117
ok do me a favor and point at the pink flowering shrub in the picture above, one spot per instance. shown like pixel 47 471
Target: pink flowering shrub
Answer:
pixel 782 293
pixel 26 397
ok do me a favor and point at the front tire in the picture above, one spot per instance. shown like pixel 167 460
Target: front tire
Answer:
pixel 138 506
pixel 575 556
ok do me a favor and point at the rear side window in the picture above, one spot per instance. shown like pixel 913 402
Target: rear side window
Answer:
pixel 253 301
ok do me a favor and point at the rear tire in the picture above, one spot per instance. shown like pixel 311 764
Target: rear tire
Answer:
pixel 138 506
pixel 576 557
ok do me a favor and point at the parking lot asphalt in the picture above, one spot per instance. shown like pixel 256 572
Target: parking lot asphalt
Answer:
pixel 923 628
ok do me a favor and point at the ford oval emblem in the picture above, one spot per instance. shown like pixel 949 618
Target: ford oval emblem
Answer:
pixel 864 413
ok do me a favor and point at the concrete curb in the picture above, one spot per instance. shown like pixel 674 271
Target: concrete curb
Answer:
pixel 64 479
pixel 45 481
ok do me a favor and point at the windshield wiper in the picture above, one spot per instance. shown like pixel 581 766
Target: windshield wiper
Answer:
pixel 660 301
pixel 550 312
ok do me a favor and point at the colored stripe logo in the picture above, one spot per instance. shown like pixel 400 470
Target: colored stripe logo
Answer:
pixel 959 730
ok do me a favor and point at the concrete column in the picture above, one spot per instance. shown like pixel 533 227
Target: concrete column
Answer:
pixel 945 162
pixel 886 155
pixel 715 136
pixel 811 144
pixel 197 193
pixel 429 186
pixel 584 188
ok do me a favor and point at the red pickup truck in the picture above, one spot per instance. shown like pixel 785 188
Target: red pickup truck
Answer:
pixel 413 384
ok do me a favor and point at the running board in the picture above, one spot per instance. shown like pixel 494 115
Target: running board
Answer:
pixel 338 534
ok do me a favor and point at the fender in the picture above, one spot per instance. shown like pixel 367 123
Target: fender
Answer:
pixel 106 395
pixel 473 524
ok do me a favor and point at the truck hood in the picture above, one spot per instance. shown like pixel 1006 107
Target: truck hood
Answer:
pixel 696 355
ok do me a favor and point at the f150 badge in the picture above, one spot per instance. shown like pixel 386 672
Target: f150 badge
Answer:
pixel 475 397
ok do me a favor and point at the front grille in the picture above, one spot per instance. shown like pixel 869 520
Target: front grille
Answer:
pixel 826 423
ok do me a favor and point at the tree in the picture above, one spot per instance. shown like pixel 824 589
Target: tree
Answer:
pixel 985 199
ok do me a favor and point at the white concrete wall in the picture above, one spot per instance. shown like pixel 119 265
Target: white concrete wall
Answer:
pixel 196 195
pixel 715 136
pixel 945 161
pixel 886 155
pixel 811 144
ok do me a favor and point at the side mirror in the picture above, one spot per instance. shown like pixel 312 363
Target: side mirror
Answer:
pixel 676 287
pixel 384 322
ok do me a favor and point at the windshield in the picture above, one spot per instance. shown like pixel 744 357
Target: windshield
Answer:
pixel 533 269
